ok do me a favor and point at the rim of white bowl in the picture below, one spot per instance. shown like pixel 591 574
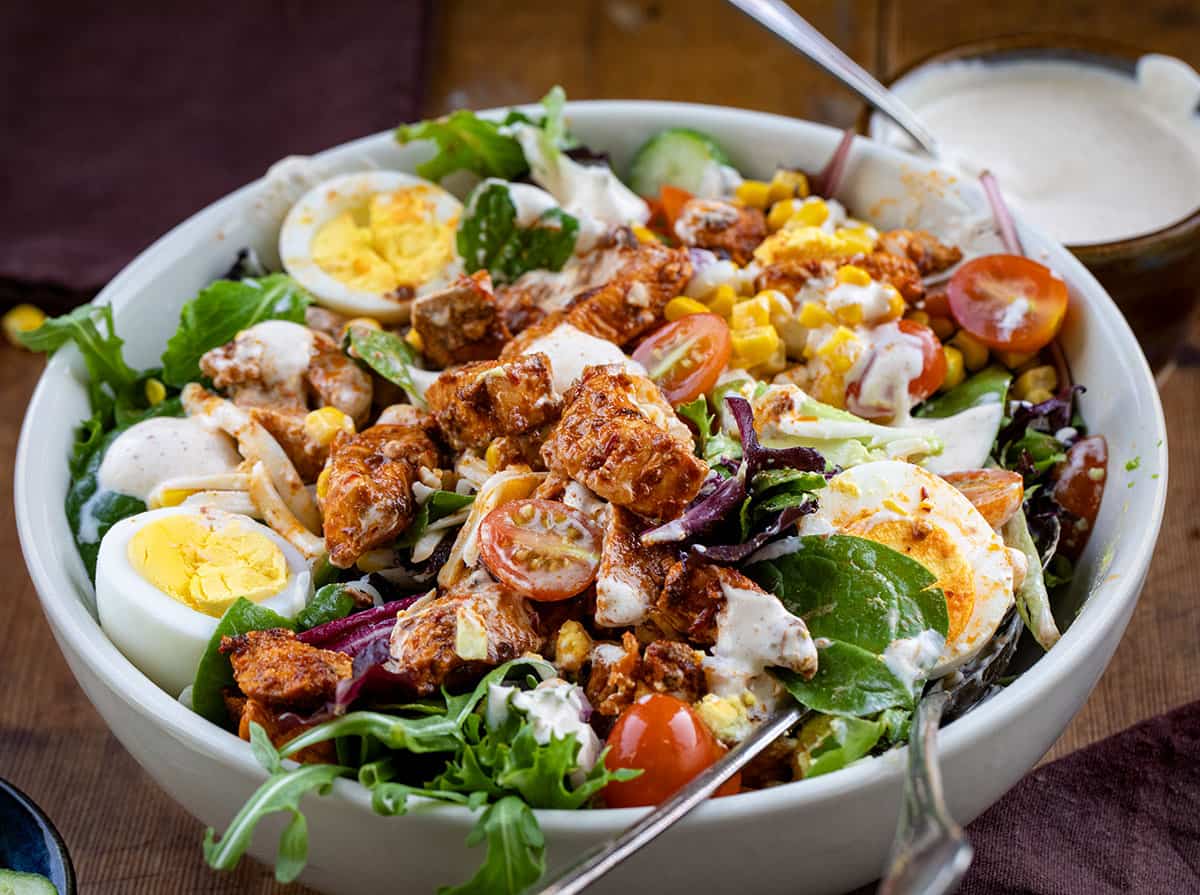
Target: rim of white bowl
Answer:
pixel 69 615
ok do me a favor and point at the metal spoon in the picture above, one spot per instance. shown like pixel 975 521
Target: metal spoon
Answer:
pixel 783 21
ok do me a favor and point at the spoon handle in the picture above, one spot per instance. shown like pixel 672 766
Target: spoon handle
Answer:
pixel 605 857
pixel 779 18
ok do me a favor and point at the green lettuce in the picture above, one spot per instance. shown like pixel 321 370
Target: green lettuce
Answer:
pixel 490 239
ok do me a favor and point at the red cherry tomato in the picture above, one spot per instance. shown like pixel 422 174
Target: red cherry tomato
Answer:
pixel 1008 302
pixel 1079 488
pixel 543 549
pixel 665 738
pixel 928 381
pixel 686 357
pixel 996 493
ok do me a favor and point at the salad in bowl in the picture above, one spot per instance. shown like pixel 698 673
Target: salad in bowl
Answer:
pixel 518 485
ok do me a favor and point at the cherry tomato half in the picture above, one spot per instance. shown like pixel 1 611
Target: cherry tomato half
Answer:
pixel 543 549
pixel 1079 487
pixel 1008 302
pixel 686 357
pixel 665 738
pixel 928 381
pixel 996 493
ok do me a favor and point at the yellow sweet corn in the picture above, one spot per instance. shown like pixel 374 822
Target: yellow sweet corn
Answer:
pixel 781 212
pixel 851 315
pixel 896 304
pixel 955 373
pixel 323 483
pixel 776 363
pixel 413 338
pixel 856 239
pixel 22 319
pixel 1038 395
pixel 754 346
pixel 721 300
pixel 367 322
pixel 852 274
pixel 324 424
pixel 830 389
pixel 1037 380
pixel 754 193
pixel 840 350
pixel 681 306
pixel 644 234
pixel 943 327
pixel 155 391
pixel 812 213
pixel 170 497
pixel 814 315
pixel 974 352
pixel 917 316
pixel 1015 359
pixel 751 312
pixel 787 184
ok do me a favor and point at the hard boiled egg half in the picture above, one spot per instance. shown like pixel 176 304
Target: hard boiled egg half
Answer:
pixel 164 578
pixel 921 515
pixel 366 244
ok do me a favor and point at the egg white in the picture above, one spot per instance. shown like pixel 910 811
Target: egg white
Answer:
pixel 328 200
pixel 161 636
pixel 871 494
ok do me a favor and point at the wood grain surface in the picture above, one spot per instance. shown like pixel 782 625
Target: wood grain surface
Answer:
pixel 127 837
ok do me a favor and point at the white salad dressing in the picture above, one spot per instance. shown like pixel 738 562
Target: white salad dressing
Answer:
pixel 884 372
pixel 874 299
pixel 155 450
pixel 282 350
pixel 718 181
pixel 910 659
pixel 1087 154
pixel 571 351
pixel 555 709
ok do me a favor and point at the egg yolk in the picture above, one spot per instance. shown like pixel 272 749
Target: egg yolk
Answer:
pixel 206 568
pixel 396 240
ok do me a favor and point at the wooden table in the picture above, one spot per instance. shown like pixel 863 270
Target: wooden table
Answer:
pixel 127 837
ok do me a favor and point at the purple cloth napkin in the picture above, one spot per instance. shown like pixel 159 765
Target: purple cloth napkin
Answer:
pixel 119 121
pixel 1122 815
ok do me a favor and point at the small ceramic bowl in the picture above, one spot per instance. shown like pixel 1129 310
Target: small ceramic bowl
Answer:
pixel 1153 277
pixel 29 843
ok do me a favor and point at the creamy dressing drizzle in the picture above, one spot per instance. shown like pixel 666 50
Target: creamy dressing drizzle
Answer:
pixel 156 450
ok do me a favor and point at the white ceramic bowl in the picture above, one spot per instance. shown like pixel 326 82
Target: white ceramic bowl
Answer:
pixel 823 835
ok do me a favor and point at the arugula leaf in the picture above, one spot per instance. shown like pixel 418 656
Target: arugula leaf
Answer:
pixel 389 356
pixel 988 386
pixel 829 743
pixel 215 673
pixel 488 235
pixel 439 505
pixel 223 309
pixel 330 602
pixel 516 850
pixel 861 597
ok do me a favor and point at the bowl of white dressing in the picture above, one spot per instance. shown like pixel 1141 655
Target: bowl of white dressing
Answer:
pixel 1095 143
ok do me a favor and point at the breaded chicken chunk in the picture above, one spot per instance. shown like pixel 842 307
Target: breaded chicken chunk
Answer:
pixel 461 323
pixel 789 277
pixel 478 402
pixel 631 573
pixel 728 230
pixel 620 438
pixel 674 668
pixel 921 247
pixel 369 497
pixel 613 680
pixel 274 668
pixel 473 626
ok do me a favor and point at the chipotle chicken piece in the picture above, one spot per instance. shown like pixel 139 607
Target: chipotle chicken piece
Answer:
pixel 613 680
pixel 925 250
pixel 287 427
pixel 369 497
pixel 728 230
pixel 274 668
pixel 691 598
pixel 460 323
pixel 478 402
pixel 325 321
pixel 789 277
pixel 620 438
pixel 674 668
pixel 631 574
pixel 475 625
pixel 898 270
pixel 281 731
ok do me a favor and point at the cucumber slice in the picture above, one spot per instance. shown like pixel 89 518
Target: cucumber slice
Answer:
pixel 13 882
pixel 678 157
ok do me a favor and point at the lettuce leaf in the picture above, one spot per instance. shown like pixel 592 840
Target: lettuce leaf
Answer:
pixel 489 238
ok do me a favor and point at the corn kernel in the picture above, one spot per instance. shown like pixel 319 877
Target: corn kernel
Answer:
pixel 776 363
pixel 492 456
pixel 781 213
pixel 974 352
pixel 644 234
pixel 413 338
pixel 1038 395
pixel 812 213
pixel 22 319
pixel 751 313
pixel 754 193
pixel 787 184
pixel 896 304
pixel 814 315
pixel 154 391
pixel 754 346
pixel 1039 379
pixel 323 425
pixel 364 322
pixel 856 239
pixel 851 315
pixel 721 300
pixel 917 316
pixel 955 373
pixel 169 497
pixel 840 350
pixel 829 389
pixel 682 306
pixel 1015 359
pixel 943 327
pixel 323 483
pixel 852 274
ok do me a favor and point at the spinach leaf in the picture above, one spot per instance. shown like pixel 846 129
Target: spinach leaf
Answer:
pixel 439 505
pixel 829 743
pixel 330 602
pixel 985 387
pixel 223 309
pixel 860 596
pixel 516 850
pixel 489 238
pixel 215 673
pixel 389 356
